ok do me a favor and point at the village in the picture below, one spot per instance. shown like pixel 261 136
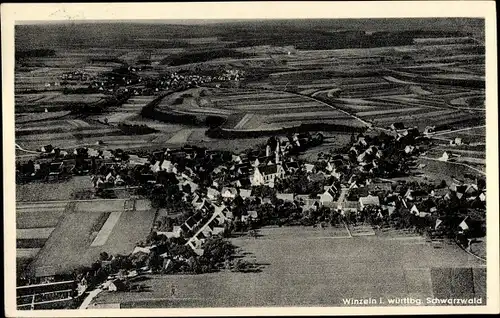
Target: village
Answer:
pixel 203 196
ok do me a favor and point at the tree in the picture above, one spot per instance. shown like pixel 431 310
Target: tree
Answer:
pixel 442 185
pixel 103 256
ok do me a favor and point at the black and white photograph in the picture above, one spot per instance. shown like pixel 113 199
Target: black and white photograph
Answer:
pixel 231 161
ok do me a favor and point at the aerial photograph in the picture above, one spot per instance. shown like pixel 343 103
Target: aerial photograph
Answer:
pixel 250 163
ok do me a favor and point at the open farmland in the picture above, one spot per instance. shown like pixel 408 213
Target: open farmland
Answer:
pixel 336 267
pixel 255 109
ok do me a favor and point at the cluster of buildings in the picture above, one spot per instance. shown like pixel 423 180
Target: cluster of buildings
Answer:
pixel 350 181
pixel 76 75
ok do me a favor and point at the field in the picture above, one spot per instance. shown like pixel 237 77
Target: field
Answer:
pixel 254 110
pixel 334 267
pixel 85 223
pixel 52 191
pixel 340 78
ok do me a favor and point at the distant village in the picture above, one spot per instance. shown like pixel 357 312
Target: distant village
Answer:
pixel 127 79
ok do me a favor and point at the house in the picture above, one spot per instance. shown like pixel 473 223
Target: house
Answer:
pixel 55 168
pixel 242 183
pixel 266 175
pixel 47 149
pixel 287 197
pixel 369 200
pixel 362 157
pixel 139 249
pixel 397 126
pixel 116 285
pixel 245 193
pixel 412 195
pixel 409 149
pixel 291 166
pixel 229 193
pixel 328 196
pixel 482 196
pixel 362 141
pixel 263 161
pixel 135 160
pixel 240 158
pixel 429 130
pixel 212 193
pixel 389 208
pixel 439 192
pixel 414 210
pixel 471 189
pixel 456 142
pixel 444 157
pixel 266 201
pixel 192 186
pixel 309 167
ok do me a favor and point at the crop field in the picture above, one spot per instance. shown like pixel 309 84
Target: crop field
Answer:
pixel 255 109
pixel 52 191
pixel 336 267
pixel 53 101
pixel 66 254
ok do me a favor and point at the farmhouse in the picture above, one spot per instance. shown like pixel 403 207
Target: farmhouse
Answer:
pixel 328 196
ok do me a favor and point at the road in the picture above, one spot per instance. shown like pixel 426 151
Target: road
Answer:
pixel 458 130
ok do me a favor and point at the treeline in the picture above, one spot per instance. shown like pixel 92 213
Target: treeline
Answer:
pixel 323 40
pixel 221 133
pixel 150 111
pixel 131 129
pixel 106 60
pixel 35 53
pixel 196 57
pixel 98 107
